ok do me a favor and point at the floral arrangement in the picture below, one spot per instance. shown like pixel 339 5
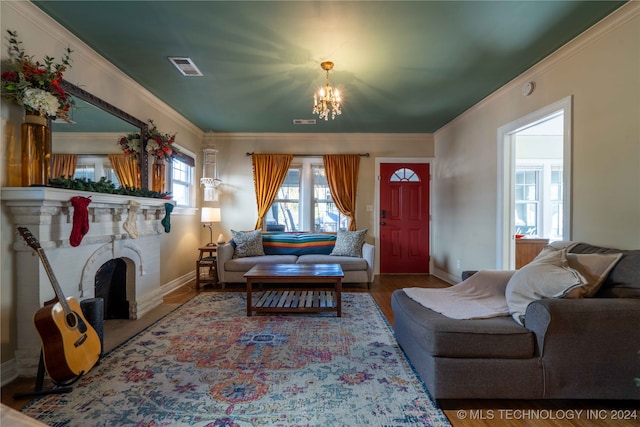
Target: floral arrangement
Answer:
pixel 130 144
pixel 33 84
pixel 160 145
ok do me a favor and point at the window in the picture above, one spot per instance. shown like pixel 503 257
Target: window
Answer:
pixel 527 201
pixel 94 168
pixel 404 175
pixel 538 200
pixel 182 189
pixel 556 197
pixel 304 201
pixel 284 214
pixel 326 216
pixel 85 171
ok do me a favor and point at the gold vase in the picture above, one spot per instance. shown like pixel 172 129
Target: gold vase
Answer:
pixel 36 150
pixel 157 175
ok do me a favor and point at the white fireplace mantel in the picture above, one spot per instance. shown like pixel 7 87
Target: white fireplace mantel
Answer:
pixel 48 213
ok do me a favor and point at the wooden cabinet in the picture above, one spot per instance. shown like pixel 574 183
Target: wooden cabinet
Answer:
pixel 528 249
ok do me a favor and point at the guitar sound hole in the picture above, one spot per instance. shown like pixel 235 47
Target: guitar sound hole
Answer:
pixel 72 320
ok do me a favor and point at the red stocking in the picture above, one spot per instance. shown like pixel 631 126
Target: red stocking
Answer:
pixel 80 219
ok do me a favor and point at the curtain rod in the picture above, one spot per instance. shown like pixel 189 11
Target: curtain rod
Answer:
pixel 314 155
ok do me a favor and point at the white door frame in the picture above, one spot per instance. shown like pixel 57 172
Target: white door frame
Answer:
pixel 376 207
pixel 505 221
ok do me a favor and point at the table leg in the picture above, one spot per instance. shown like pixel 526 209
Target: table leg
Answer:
pixel 249 311
pixel 339 297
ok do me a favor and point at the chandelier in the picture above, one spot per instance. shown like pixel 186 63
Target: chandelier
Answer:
pixel 327 100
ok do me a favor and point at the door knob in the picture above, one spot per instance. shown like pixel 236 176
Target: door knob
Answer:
pixel 383 223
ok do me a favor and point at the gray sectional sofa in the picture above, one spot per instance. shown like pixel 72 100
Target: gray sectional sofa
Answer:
pixel 585 348
pixel 292 248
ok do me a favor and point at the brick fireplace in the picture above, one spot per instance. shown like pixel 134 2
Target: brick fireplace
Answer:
pixel 48 214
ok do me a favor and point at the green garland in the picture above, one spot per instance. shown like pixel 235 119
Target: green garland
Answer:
pixel 104 186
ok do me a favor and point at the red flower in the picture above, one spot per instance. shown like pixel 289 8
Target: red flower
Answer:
pixel 27 73
pixel 10 76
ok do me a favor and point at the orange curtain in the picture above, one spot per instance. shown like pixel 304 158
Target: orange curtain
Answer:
pixel 269 172
pixel 342 176
pixel 127 170
pixel 63 165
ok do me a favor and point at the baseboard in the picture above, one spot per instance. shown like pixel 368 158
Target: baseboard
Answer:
pixel 443 275
pixel 178 282
pixel 9 371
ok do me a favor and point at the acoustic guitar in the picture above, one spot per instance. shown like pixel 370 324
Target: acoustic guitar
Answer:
pixel 70 345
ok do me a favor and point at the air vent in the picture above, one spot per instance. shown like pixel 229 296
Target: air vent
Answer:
pixel 186 66
pixel 304 121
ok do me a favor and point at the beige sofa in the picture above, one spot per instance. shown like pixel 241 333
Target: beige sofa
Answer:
pixel 297 250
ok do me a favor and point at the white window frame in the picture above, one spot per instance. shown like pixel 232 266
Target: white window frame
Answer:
pixel 191 190
pixel 306 201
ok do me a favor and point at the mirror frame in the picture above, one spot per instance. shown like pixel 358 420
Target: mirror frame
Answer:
pixel 80 93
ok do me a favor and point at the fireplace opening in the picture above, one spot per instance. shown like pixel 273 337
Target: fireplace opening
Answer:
pixel 111 286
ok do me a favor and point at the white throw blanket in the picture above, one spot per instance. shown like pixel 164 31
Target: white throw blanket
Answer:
pixel 481 296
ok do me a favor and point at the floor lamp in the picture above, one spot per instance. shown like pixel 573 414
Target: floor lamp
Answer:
pixel 208 217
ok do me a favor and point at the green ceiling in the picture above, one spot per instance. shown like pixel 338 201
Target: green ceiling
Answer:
pixel 403 67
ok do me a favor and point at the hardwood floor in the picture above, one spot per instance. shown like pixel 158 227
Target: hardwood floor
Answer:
pixel 461 413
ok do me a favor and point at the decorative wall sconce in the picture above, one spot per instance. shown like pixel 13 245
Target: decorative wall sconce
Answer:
pixel 209 178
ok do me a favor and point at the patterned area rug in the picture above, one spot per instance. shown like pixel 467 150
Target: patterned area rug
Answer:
pixel 208 364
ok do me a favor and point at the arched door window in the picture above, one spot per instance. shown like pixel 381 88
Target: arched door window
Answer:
pixel 404 175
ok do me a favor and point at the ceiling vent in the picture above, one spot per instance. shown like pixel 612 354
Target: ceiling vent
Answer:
pixel 304 121
pixel 186 66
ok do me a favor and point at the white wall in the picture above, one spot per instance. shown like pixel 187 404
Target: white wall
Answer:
pixel 601 70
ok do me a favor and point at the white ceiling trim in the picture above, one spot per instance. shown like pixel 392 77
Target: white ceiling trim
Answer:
pixel 400 138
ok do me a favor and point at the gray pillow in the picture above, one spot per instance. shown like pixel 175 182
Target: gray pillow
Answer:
pixel 248 243
pixel 349 243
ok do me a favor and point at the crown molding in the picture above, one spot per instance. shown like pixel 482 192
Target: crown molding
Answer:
pixel 609 23
pixel 56 31
pixel 400 138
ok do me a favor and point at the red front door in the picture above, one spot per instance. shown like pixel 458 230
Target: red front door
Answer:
pixel 404 218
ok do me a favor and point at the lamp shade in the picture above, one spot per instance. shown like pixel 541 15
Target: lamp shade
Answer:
pixel 210 215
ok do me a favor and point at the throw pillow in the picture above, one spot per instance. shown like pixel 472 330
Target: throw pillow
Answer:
pixel 547 276
pixel 248 243
pixel 595 268
pixel 349 243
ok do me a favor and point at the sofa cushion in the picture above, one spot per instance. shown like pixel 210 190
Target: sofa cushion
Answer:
pixel 349 243
pixel 624 279
pixel 246 263
pixel 346 262
pixel 441 336
pixel 298 243
pixel 247 243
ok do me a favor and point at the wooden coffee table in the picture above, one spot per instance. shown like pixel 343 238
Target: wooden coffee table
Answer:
pixel 289 299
